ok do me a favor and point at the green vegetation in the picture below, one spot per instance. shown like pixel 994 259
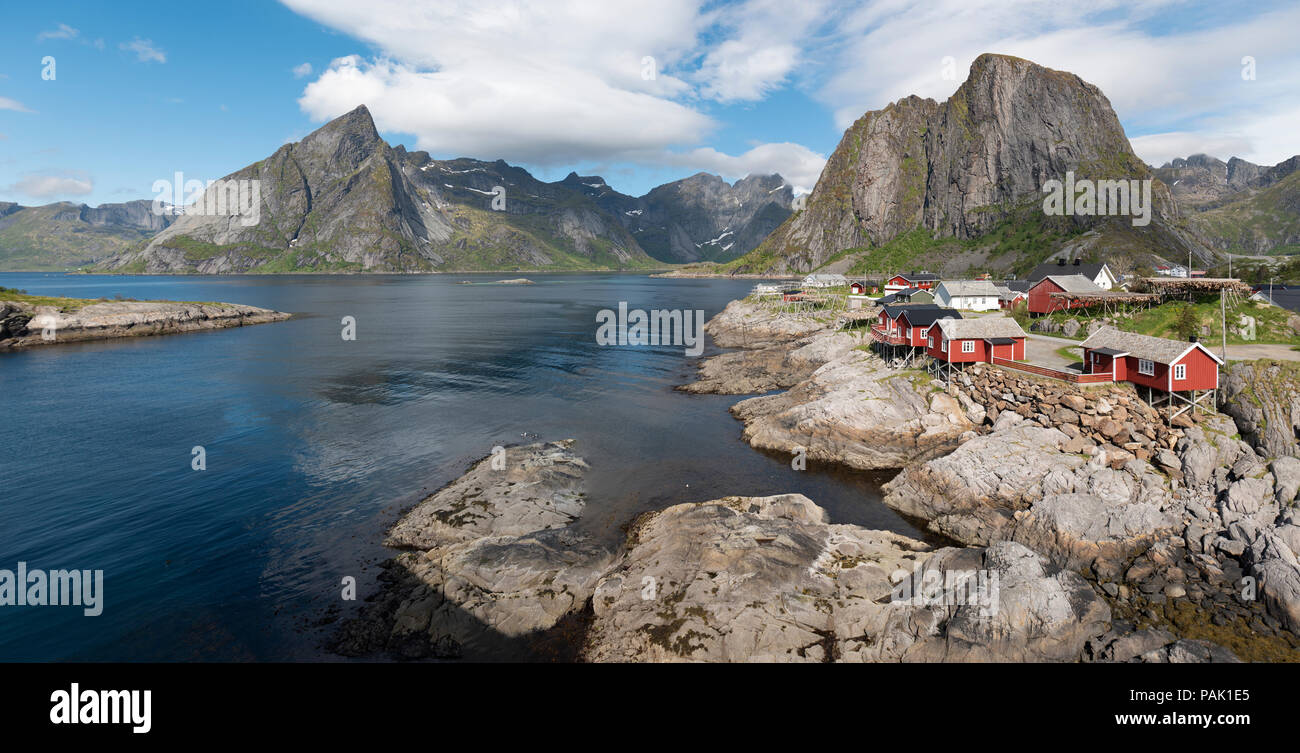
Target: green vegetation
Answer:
pixel 69 305
pixel 1179 320
pixel 54 238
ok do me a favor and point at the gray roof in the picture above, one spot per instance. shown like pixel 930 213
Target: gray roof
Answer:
pixel 1074 283
pixel 969 287
pixel 1156 349
pixel 839 279
pixel 1047 269
pixel 981 328
pixel 924 316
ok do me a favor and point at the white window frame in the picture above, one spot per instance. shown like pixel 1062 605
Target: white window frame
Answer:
pixel 929 340
pixel 1146 367
pixel 943 345
pixel 968 346
pixel 1180 372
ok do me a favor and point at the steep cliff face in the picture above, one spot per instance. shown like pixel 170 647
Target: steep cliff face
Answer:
pixel 963 168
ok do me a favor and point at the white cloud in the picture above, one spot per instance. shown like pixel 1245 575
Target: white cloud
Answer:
pixel 144 50
pixel 53 185
pixel 62 32
pixel 517 114
pixel 765 46
pixel 13 104
pixel 302 70
pixel 553 83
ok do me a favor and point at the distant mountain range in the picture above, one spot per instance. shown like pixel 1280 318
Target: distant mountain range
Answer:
pixel 342 200
pixel 64 235
pixel 1238 206
pixel 957 186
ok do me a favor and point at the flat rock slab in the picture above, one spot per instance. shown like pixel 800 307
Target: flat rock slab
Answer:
pixel 745 372
pixel 769 579
pixel 524 489
pixel 110 319
pixel 857 412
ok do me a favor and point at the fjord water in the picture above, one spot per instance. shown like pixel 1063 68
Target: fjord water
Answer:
pixel 315 444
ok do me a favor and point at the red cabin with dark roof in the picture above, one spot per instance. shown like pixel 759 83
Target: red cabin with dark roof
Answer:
pixel 1156 362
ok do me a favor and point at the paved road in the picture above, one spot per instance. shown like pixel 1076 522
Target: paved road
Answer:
pixel 1049 344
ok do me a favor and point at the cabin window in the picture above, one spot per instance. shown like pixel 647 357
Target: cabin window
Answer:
pixel 968 346
pixel 943 346
pixel 930 340
pixel 1146 367
pixel 1180 371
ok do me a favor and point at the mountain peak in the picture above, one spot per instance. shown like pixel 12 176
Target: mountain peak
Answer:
pixel 960 168
pixel 356 122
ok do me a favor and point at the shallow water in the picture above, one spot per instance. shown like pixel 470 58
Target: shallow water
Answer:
pixel 314 444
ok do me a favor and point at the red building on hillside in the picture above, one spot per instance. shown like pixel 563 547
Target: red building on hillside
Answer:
pixel 921 280
pixel 1040 295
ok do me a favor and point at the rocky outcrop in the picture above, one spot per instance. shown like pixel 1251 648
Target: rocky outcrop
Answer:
pixel 496 560
pixel 857 412
pixel 748 324
pixel 24 324
pixel 1263 398
pixel 745 372
pixel 1114 419
pixel 1019 484
pixel 769 579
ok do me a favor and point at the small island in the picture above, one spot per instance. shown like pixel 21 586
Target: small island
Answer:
pixel 28 320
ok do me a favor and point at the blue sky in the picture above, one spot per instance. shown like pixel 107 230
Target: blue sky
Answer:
pixel 732 88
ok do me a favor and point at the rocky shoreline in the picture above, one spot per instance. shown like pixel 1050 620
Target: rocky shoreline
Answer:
pixel 1109 532
pixel 24 324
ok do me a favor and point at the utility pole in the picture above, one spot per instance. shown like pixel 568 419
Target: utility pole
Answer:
pixel 1223 316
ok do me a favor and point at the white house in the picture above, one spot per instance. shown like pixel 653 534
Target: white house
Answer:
pixel 1100 274
pixel 968 295
pixel 825 281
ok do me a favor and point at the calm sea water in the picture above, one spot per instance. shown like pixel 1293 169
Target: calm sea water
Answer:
pixel 314 445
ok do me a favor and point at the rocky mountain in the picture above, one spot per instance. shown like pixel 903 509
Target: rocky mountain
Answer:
pixel 343 200
pixel 958 185
pixel 700 218
pixel 65 235
pixel 1238 206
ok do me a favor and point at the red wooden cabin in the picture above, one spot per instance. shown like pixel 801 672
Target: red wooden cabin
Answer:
pixel 1155 362
pixel 976 340
pixel 1040 295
